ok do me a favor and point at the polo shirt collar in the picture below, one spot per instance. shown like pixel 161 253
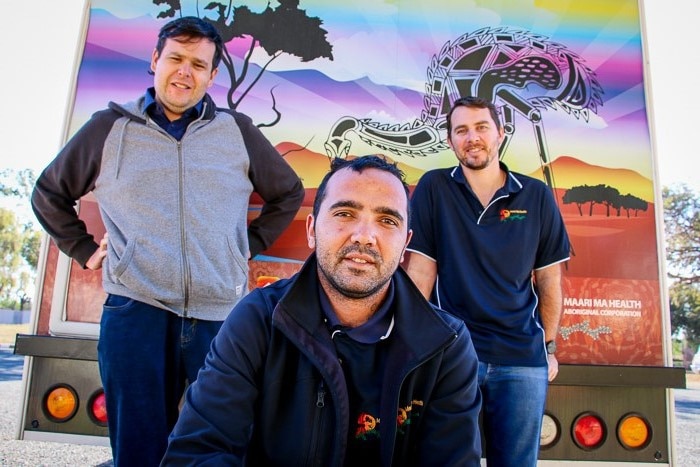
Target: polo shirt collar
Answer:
pixel 512 185
pixel 377 328
pixel 154 109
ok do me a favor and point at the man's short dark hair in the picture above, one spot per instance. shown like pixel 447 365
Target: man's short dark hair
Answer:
pixel 359 164
pixel 473 102
pixel 192 28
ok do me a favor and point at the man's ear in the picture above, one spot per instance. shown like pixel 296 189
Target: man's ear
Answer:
pixel 214 72
pixel 501 134
pixel 310 231
pixel 408 240
pixel 154 60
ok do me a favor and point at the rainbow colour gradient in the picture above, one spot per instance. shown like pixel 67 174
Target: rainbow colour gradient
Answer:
pixel 381 53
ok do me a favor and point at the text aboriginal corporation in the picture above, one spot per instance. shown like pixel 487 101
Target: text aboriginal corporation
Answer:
pixel 603 307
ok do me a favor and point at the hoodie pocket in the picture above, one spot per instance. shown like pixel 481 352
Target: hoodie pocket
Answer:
pixel 149 272
pixel 219 272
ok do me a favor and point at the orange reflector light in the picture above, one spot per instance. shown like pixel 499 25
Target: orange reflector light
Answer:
pixel 589 431
pixel 262 281
pixel 633 432
pixel 61 403
pixel 98 408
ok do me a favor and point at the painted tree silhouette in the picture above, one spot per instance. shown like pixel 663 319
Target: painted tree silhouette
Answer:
pixel 633 203
pixel 610 198
pixel 284 29
pixel 606 195
pixel 577 195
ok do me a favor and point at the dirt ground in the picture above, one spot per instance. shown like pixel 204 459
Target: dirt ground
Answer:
pixel 692 378
pixel 9 331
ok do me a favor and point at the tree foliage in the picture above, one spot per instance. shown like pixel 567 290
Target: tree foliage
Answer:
pixel 19 241
pixel 17 184
pixel 19 251
pixel 286 29
pixel 682 228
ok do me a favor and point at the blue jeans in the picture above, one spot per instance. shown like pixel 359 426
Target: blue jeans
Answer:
pixel 513 404
pixel 147 356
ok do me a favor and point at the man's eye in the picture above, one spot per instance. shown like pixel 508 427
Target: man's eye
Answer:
pixel 390 221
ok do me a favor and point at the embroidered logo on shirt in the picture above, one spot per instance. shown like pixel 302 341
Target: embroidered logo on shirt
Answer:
pixel 367 426
pixel 508 215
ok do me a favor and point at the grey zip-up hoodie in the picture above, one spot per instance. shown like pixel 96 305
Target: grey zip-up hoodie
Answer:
pixel 175 211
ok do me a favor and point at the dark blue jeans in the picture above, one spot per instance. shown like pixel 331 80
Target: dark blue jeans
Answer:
pixel 512 407
pixel 147 356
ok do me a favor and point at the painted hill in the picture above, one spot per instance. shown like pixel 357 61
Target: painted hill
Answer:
pixel 312 166
pixel 569 172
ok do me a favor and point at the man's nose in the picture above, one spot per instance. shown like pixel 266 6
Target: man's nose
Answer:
pixel 184 70
pixel 365 233
pixel 472 135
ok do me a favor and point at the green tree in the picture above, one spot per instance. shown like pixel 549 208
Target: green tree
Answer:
pixel 12 262
pixel 19 240
pixel 17 183
pixel 682 228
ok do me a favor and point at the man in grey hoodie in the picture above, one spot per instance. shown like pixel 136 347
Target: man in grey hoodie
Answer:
pixel 172 175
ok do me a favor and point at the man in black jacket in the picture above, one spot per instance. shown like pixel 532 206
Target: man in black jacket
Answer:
pixel 343 364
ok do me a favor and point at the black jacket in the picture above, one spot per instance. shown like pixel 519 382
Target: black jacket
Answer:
pixel 273 393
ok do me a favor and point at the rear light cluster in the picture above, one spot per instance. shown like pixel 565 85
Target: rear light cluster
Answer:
pixel 589 431
pixel 61 403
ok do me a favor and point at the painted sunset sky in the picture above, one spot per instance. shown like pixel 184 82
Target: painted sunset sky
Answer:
pixel 382 51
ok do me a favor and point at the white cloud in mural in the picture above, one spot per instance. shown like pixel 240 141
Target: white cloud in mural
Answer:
pixel 385 49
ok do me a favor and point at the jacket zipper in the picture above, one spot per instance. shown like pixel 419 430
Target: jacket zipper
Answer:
pixel 187 279
pixel 320 404
pixel 183 232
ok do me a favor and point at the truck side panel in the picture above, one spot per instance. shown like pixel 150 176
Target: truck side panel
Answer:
pixel 378 78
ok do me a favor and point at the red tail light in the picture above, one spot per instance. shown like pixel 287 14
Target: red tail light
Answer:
pixel 98 408
pixel 589 431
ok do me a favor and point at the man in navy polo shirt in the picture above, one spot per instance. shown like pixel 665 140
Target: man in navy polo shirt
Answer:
pixel 488 245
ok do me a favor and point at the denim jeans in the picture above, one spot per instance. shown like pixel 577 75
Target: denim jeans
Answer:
pixel 513 404
pixel 147 356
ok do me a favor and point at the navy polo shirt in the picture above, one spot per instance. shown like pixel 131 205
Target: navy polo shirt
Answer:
pixel 362 355
pixel 176 128
pixel 485 258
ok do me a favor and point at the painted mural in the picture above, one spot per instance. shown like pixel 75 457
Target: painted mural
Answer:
pixel 326 79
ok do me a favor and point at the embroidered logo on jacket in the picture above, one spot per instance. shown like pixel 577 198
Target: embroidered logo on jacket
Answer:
pixel 508 215
pixel 407 415
pixel 368 425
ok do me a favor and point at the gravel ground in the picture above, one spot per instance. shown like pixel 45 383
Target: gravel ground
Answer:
pixel 34 453
pixel 687 405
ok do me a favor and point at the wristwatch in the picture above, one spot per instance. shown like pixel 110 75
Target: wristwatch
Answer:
pixel 551 347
